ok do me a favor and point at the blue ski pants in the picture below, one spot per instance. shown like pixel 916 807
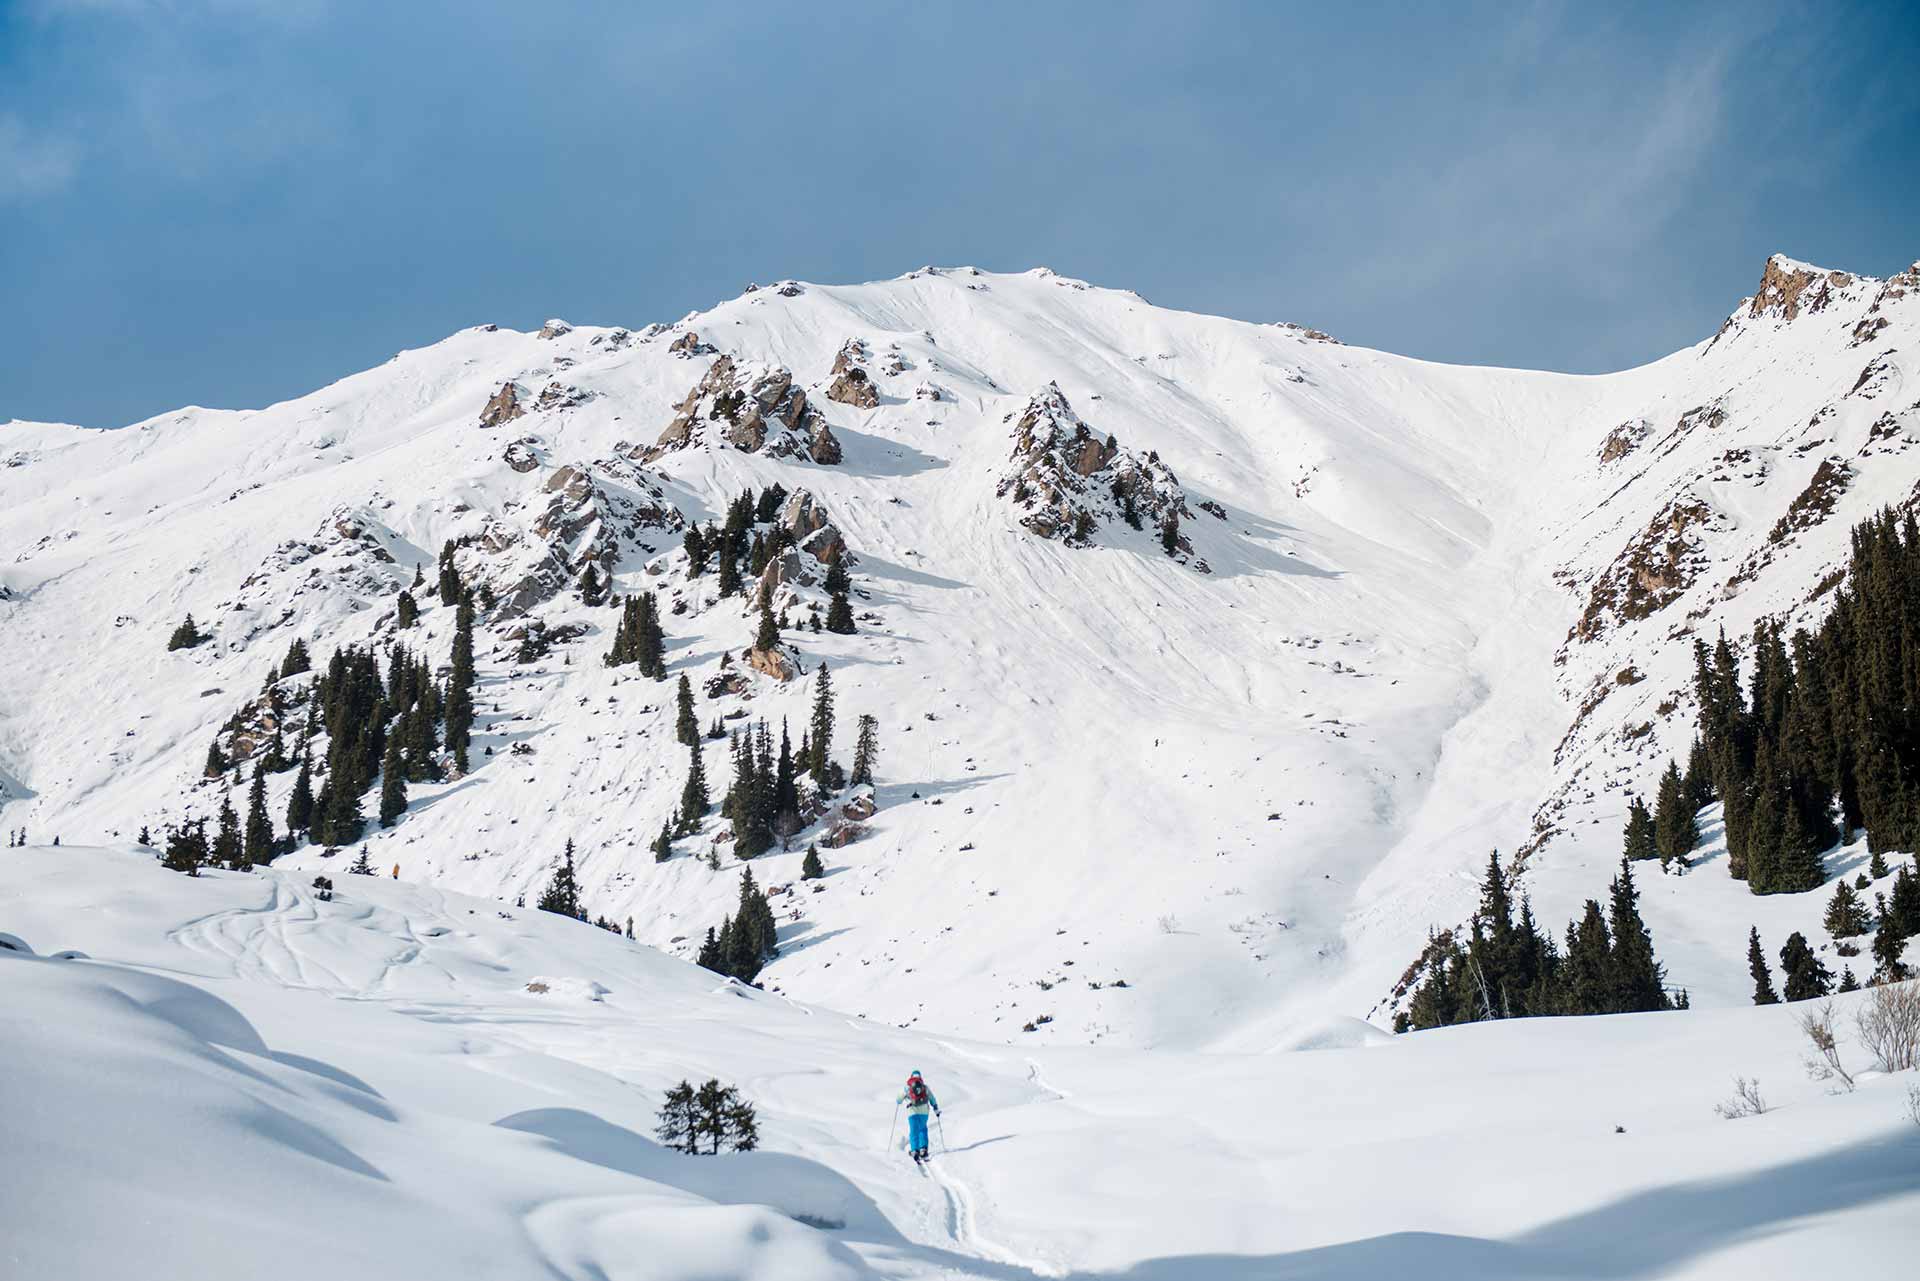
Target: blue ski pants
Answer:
pixel 917 1132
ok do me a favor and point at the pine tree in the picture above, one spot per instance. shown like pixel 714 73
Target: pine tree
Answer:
pixel 679 1126
pixel 729 571
pixel 1639 983
pixel 767 638
pixel 1763 993
pixel 362 866
pixel 1640 842
pixel 393 783
pixel 562 895
pixel 1848 983
pixel 1903 904
pixel 839 604
pixel 300 804
pixel 866 750
pixel 810 866
pixel 406 611
pixel 820 728
pixel 1846 914
pixel 186 848
pixel 451 589
pixel 1876 865
pixel 186 636
pixel 459 699
pixel 1806 978
pixel 1887 946
pixel 145 838
pixel 694 800
pixel 257 843
pixel 1674 829
pixel 686 726
pixel 663 844
pixel 217 762
pixel 696 546
pixel 227 846
pixel 298 661
pixel 593 592
pixel 1170 532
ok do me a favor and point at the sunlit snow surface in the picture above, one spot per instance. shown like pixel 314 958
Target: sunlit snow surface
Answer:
pixel 226 1078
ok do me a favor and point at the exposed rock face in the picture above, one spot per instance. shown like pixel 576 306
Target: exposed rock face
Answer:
pixel 773 662
pixel 595 513
pixel 754 409
pixel 1652 571
pixel 555 328
pixel 1624 439
pixel 852 384
pixel 1788 287
pixel 559 395
pixel 1066 481
pixel 523 455
pixel 504 407
pixel 688 345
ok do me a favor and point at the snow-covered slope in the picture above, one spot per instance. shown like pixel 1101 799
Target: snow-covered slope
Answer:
pixel 1416 611
pixel 225 1077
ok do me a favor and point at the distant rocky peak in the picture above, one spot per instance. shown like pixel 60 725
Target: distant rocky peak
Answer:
pixel 1788 288
pixel 753 408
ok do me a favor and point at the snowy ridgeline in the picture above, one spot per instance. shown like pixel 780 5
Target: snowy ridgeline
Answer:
pixel 226 1077
pixel 1209 659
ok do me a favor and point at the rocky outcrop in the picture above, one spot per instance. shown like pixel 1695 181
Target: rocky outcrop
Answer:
pixel 595 514
pixel 1787 288
pixel 555 328
pixel 688 345
pixel 559 395
pixel 773 662
pixel 755 409
pixel 1624 439
pixel 504 407
pixel 1066 481
pixel 852 384
pixel 523 455
pixel 1653 570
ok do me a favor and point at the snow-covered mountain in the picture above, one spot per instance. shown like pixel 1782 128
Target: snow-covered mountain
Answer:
pixel 1403 613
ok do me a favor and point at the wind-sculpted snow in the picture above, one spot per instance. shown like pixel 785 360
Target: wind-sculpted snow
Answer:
pixel 1448 610
pixel 239 1079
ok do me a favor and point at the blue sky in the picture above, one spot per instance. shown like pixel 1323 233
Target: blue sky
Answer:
pixel 228 202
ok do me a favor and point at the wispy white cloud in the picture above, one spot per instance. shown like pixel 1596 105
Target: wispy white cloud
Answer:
pixel 33 164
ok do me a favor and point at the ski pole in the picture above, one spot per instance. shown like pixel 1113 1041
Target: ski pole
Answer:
pixel 894 1125
pixel 941 1126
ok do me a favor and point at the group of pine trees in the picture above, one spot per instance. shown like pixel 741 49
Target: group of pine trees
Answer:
pixel 1895 918
pixel 1825 737
pixel 1509 968
pixel 638 637
pixel 713 1114
pixel 745 941
pixel 750 537
pixel 388 726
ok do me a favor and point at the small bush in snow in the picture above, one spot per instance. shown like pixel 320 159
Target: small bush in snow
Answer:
pixel 1746 1100
pixel 1824 1064
pixel 1889 1025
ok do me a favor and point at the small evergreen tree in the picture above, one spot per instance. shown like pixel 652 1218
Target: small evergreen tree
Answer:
pixel 362 866
pixel 257 842
pixel 1674 829
pixel 1763 993
pixel 186 848
pixel 820 728
pixel 1887 946
pixel 393 784
pixel 1170 532
pixel 663 844
pixel 767 638
pixel 300 803
pixel 679 1126
pixel 694 800
pixel 459 698
pixel 1639 838
pixel 562 895
pixel 866 750
pixel 186 636
pixel 406 611
pixel 228 849
pixel 217 762
pixel 839 603
pixel 1806 978
pixel 686 726
pixel 810 866
pixel 1846 914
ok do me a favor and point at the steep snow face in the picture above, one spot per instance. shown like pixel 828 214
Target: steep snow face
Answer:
pixel 235 1078
pixel 1446 609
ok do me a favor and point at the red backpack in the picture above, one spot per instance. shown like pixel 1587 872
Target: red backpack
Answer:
pixel 916 1091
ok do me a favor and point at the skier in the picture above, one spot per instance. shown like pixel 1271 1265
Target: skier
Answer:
pixel 919 1100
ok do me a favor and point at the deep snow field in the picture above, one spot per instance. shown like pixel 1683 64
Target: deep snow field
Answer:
pixel 223 1077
